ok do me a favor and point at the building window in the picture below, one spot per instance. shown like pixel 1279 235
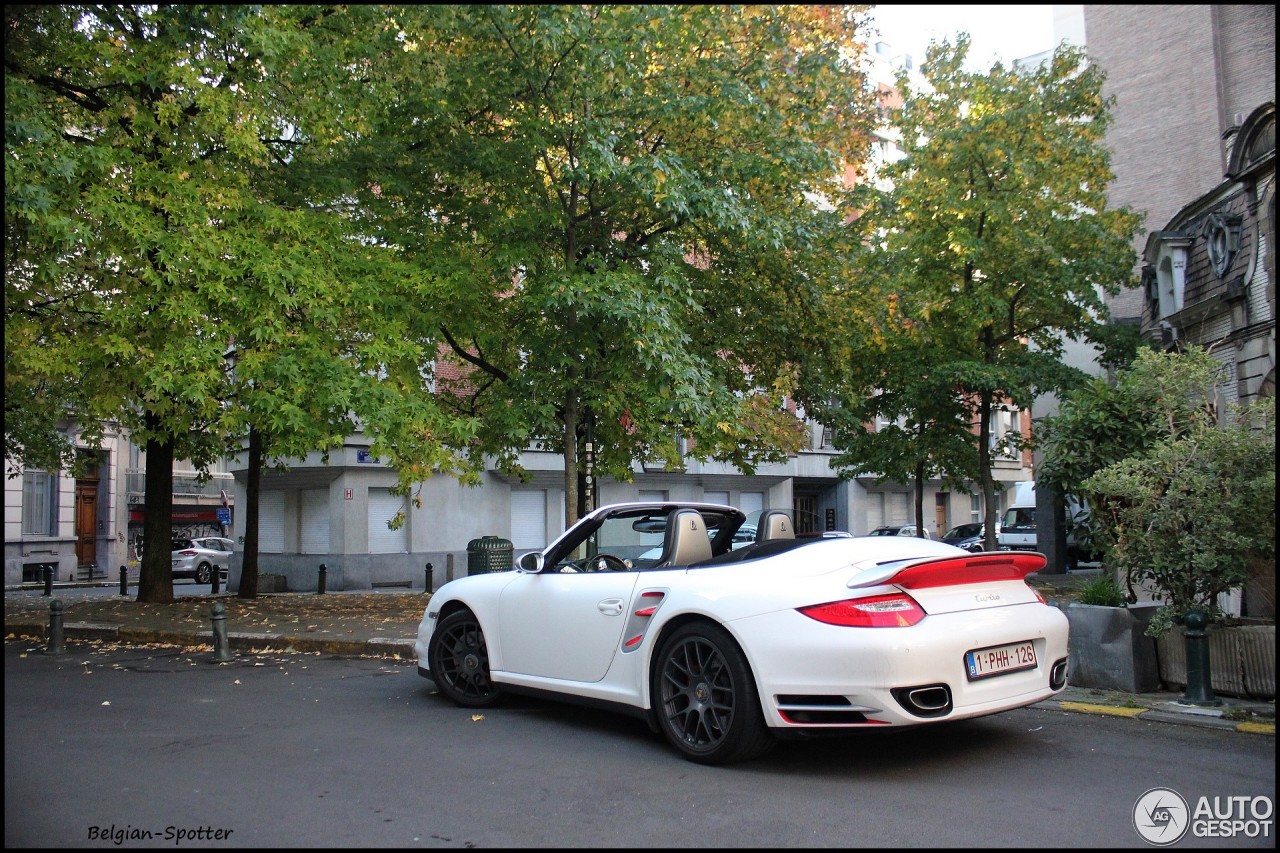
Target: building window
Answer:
pixel 39 503
pixel 1005 433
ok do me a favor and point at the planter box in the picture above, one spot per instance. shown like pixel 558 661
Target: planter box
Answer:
pixel 1108 649
pixel 1242 659
pixel 272 583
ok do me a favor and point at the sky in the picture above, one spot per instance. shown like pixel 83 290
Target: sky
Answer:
pixel 1001 33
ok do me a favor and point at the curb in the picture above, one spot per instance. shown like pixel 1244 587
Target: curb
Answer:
pixel 1203 719
pixel 241 641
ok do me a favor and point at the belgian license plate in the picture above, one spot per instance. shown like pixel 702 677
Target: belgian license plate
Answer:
pixel 998 660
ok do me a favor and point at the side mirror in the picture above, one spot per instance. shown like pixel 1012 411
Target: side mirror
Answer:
pixel 531 563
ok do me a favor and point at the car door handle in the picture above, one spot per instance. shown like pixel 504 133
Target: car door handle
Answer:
pixel 610 607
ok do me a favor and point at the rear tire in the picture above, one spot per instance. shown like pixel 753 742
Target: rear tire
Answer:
pixel 204 573
pixel 458 659
pixel 704 697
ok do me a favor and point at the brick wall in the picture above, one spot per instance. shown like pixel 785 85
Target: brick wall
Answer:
pixel 1179 74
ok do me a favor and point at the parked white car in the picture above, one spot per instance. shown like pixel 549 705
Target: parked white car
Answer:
pixel 196 558
pixel 649 608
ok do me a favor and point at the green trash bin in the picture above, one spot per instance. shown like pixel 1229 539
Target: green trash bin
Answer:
pixel 490 554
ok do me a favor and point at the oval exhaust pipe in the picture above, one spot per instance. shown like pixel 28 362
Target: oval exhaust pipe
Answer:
pixel 929 698
pixel 925 700
pixel 1058 675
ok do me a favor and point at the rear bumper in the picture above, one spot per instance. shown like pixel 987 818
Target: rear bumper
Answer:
pixel 862 676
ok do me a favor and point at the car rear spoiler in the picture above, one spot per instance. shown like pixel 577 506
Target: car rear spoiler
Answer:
pixel 955 571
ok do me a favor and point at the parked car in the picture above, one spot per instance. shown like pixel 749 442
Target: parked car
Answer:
pixel 899 530
pixel 966 536
pixel 195 558
pixel 648 608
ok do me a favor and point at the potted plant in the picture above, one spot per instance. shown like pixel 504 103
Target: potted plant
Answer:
pixel 1109 647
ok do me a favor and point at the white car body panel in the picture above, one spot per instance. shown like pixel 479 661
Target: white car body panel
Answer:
pixel 577 618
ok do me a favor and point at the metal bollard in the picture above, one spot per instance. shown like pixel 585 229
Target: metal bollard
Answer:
pixel 217 579
pixel 448 567
pixel 1199 675
pixel 48 580
pixel 427 586
pixel 57 644
pixel 221 647
pixel 124 580
pixel 324 570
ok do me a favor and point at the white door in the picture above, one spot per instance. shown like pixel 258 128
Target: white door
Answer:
pixel 564 626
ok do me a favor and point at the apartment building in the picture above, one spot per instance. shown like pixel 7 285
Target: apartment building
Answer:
pixel 1193 143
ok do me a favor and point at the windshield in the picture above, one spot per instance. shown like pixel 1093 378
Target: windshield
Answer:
pixel 635 536
pixel 1018 519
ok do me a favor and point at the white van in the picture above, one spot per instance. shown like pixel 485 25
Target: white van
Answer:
pixel 1018 525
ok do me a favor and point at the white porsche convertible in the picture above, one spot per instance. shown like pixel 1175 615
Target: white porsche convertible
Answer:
pixel 652 608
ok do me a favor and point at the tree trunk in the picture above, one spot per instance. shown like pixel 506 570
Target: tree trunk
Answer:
pixel 984 467
pixel 253 482
pixel 155 577
pixel 570 449
pixel 919 500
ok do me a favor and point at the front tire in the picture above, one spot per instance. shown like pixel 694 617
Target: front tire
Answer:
pixel 459 661
pixel 705 699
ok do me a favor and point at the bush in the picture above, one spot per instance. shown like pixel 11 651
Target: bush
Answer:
pixel 1102 590
pixel 1189 514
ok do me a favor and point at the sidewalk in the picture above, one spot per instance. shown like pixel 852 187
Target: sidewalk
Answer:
pixel 383 624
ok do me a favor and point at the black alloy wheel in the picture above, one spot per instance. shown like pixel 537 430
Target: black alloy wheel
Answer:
pixel 459 661
pixel 705 698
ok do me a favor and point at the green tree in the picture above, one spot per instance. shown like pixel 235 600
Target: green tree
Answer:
pixel 626 196
pixel 1182 492
pixel 995 234
pixel 173 185
pixel 912 426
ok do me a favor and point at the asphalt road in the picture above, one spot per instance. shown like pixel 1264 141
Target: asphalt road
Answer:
pixel 304 751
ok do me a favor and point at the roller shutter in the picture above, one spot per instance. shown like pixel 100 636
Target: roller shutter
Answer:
pixel 529 519
pixel 382 506
pixel 315 521
pixel 271 522
pixel 875 510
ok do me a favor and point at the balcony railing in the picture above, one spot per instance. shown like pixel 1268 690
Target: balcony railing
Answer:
pixel 185 483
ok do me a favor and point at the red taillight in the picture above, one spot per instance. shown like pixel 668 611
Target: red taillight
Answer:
pixel 187 553
pixel 895 610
